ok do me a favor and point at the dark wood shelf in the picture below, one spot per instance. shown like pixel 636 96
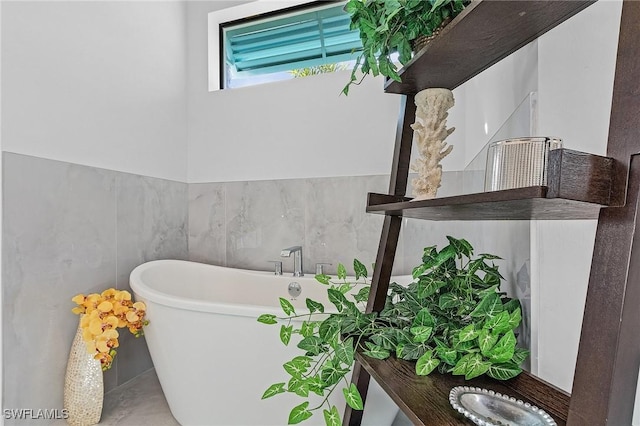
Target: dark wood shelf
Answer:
pixel 578 185
pixel 512 204
pixel 425 399
pixel 481 35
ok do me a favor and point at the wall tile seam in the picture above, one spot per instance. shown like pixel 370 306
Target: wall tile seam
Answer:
pixel 116 187
pixel 119 177
pixel 224 182
pixel 310 179
pixel 103 169
pixel 224 189
pixel 116 183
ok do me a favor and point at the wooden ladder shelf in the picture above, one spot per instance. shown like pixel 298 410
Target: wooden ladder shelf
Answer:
pixel 580 186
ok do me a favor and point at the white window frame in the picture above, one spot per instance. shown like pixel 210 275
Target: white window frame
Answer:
pixel 235 13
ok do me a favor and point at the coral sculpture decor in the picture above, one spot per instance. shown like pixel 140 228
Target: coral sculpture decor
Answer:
pixel 430 131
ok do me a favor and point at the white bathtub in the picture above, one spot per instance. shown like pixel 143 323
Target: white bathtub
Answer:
pixel 213 359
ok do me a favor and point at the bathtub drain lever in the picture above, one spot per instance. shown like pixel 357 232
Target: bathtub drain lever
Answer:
pixel 294 289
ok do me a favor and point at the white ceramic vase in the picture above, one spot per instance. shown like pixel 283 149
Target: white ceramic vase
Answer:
pixel 83 385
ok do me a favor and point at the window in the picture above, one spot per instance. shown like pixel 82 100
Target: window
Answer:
pixel 269 48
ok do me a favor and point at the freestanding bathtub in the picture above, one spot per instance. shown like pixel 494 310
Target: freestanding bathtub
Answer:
pixel 213 359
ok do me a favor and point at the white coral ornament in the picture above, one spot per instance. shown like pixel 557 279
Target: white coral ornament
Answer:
pixel 430 131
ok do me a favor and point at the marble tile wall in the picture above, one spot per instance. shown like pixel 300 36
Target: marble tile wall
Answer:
pixel 246 224
pixel 72 229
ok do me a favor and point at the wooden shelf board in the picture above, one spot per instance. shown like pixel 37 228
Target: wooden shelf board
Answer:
pixel 481 35
pixel 511 204
pixel 425 399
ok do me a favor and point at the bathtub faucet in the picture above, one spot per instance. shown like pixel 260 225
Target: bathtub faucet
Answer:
pixel 297 259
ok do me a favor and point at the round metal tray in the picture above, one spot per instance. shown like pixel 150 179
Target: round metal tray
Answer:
pixel 488 408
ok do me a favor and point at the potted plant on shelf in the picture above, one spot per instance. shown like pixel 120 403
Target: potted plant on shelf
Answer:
pixel 452 318
pixel 389 26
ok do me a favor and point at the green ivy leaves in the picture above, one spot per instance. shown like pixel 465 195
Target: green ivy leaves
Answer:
pixel 468 333
pixel 504 371
pixel 313 345
pixel 426 364
pixel 389 26
pixel 345 352
pixel 332 417
pixel 274 390
pixel 314 306
pixel 375 351
pixel 460 247
pixel 500 323
pixel 299 413
pixel 486 340
pixel 328 354
pixel 285 334
pixel 267 319
pixel 352 397
pixel 337 298
pixel 471 365
pixel 359 269
pixel 297 366
pixel 489 306
pixel 287 307
pixel 332 372
pixel 451 318
pixel 503 350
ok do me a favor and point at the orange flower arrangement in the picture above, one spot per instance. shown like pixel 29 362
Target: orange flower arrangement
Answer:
pixel 102 314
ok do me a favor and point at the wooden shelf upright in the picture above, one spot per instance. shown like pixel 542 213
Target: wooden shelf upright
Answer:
pixel 580 186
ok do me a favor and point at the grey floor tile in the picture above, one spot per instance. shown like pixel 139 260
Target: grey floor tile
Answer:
pixel 139 402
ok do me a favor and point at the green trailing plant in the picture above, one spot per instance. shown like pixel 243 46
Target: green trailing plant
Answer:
pixel 389 26
pixel 452 317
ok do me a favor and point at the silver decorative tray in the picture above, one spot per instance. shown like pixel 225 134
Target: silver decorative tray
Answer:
pixel 488 408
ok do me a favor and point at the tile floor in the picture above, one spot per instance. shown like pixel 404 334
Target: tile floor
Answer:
pixel 140 402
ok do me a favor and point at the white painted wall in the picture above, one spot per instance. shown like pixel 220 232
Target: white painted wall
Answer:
pixel 576 70
pixel 291 129
pixel 97 83
pixel 239 134
pixel 492 96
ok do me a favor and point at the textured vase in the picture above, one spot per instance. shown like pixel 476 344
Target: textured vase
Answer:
pixel 83 385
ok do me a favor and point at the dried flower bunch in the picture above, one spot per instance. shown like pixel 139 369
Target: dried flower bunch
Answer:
pixel 102 314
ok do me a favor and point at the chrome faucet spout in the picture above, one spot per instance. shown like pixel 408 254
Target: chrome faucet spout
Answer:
pixel 297 259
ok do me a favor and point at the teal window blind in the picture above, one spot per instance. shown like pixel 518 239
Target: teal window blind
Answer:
pixel 286 42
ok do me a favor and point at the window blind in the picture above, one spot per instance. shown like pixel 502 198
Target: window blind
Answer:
pixel 289 42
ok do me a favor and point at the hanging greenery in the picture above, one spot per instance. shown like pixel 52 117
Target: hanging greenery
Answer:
pixel 389 26
pixel 452 317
